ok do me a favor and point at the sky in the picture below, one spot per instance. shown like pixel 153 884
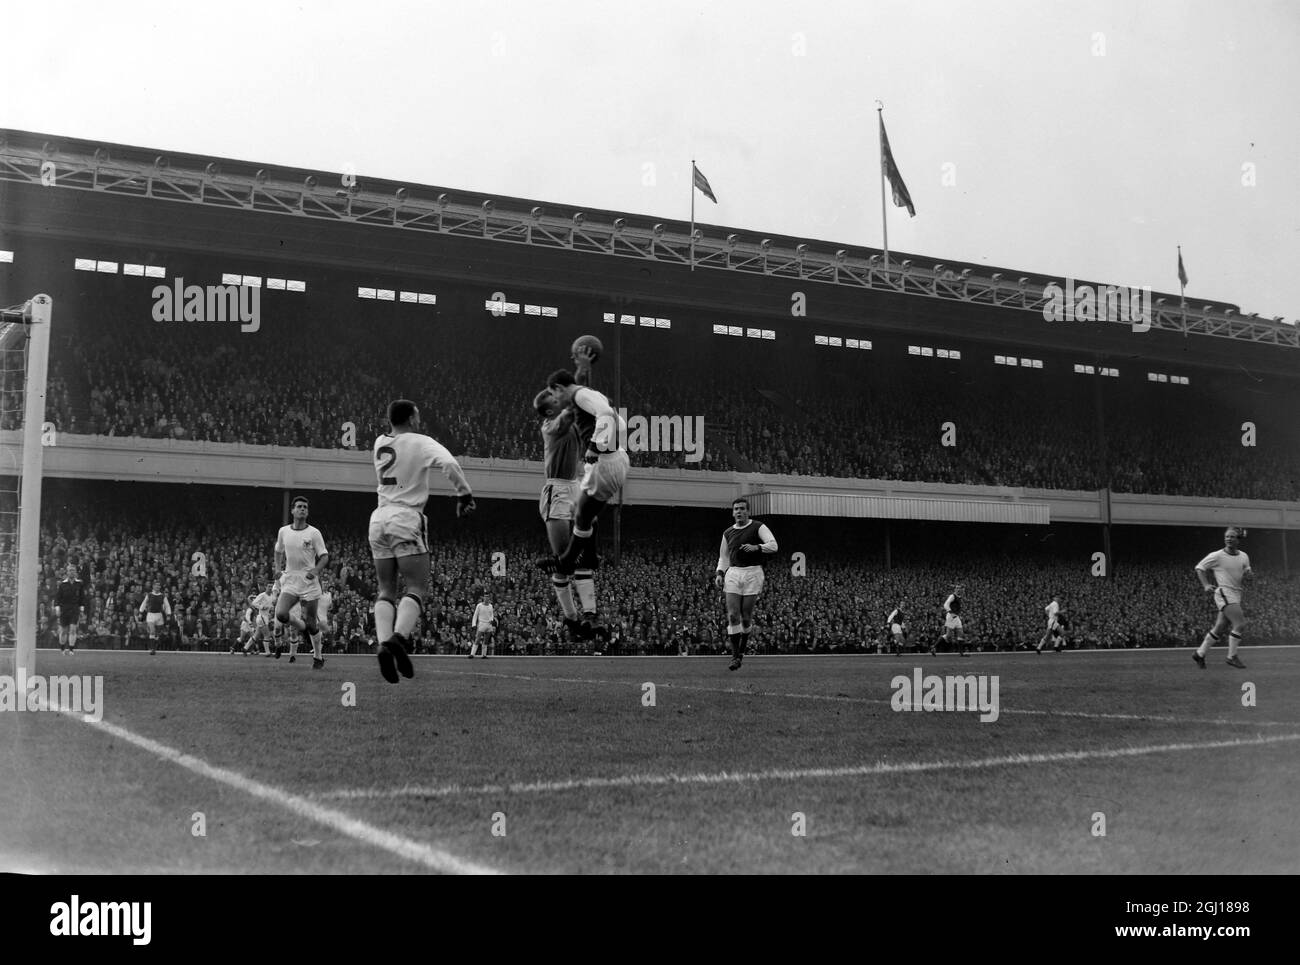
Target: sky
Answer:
pixel 1085 139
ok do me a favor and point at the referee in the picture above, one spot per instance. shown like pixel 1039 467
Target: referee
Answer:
pixel 69 607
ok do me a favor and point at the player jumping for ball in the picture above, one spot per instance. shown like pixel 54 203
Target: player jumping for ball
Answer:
pixel 602 431
pixel 740 574
pixel 1231 567
pixel 399 531
pixel 562 449
pixel 301 556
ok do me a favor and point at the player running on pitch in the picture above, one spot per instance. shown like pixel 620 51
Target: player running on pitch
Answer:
pixel 1231 567
pixel 896 624
pixel 301 556
pixel 399 531
pixel 1055 624
pixel 740 573
pixel 952 628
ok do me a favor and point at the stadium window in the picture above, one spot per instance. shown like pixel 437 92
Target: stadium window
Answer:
pixel 155 271
pixel 865 343
pixel 410 298
pixel 427 298
pixel 753 333
pixel 1151 376
pixel 84 264
pixel 999 360
pixel 663 323
pixel 1184 380
pixel 385 294
pixel 533 310
pixel 647 321
pixel 1162 377
pixel 627 319
pixel 836 341
pixel 107 267
pixel 609 320
pixel 253 281
pixel 722 330
pixel 301 286
pixel 769 334
pixel 1026 363
pixel 914 350
pixel 850 343
pixel 955 354
pixel 735 330
pixel 927 351
pixel 228 279
pixel 550 311
pixel 7 257
pixel 1113 373
pixel 818 339
pixel 943 353
pixel 276 284
pixel 135 271
pixel 1038 363
pixel 365 293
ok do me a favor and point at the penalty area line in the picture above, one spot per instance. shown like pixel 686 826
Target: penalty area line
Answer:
pixel 809 773
pixel 430 857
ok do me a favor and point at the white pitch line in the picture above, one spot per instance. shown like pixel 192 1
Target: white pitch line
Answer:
pixel 395 844
pixel 845 699
pixel 810 773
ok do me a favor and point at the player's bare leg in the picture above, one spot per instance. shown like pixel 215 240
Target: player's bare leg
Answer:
pixel 286 619
pixel 557 531
pixel 399 616
pixel 1211 638
pixel 735 629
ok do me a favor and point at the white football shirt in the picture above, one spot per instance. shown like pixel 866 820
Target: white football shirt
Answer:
pixel 484 615
pixel 1052 609
pixel 402 464
pixel 1229 571
pixel 301 548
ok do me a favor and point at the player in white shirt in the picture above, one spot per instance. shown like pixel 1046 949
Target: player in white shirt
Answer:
pixel 1054 626
pixel 247 627
pixel 301 555
pixel 896 624
pixel 399 532
pixel 952 627
pixel 264 616
pixel 1231 568
pixel 740 574
pixel 484 622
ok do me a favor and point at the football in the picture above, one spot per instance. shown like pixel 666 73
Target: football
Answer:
pixel 589 341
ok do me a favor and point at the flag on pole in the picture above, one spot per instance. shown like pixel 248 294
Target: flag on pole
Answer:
pixel 1182 272
pixel 702 183
pixel 901 197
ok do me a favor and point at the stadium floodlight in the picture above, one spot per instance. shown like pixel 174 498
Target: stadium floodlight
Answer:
pixel 536 214
pixel 310 182
pixel 101 155
pixel 160 163
pixel 907 264
pixel 1229 313
pixel 212 169
pixel 658 230
pixel 442 200
pixel 841 256
pixel 732 241
pixel 578 218
pixel 874 261
pixel 400 194
pixel 698 235
pixel 765 245
pixel 1159 302
pixel 260 176
pixel 619 224
pixel 997 277
pixel 1280 320
pixel 1024 283
pixel 938 270
pixel 1207 309
pixel 488 205
pixel 965 274
pixel 1252 315
pixel 800 250
pixel 49 149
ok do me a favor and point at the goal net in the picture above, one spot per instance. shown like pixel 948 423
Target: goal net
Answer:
pixel 24 359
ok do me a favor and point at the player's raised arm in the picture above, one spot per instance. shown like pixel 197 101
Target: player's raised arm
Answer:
pixel 583 359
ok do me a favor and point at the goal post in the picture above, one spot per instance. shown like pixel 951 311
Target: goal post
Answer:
pixel 24 355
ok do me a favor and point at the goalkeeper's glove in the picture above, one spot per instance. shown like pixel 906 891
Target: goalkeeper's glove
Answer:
pixel 464 505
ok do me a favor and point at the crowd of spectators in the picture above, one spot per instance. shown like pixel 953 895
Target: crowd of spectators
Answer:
pixel 660 598
pixel 800 410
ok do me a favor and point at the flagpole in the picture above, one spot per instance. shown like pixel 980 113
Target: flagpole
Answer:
pixel 692 214
pixel 884 224
pixel 1182 289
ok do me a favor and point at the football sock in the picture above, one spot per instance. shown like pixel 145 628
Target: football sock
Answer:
pixel 1234 641
pixel 585 589
pixel 564 594
pixel 408 612
pixel 733 634
pixel 578 539
pixel 1210 640
pixel 317 647
pixel 385 614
